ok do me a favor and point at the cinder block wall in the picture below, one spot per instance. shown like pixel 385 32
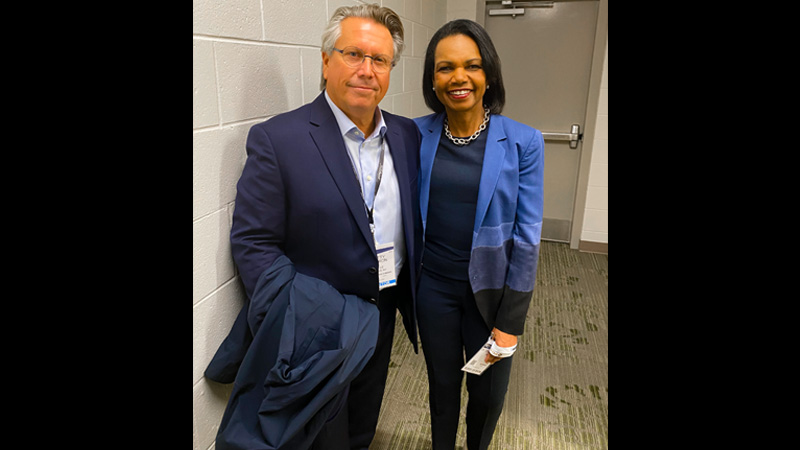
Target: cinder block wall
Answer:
pixel 251 60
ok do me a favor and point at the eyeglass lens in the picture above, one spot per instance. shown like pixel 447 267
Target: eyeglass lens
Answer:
pixel 354 57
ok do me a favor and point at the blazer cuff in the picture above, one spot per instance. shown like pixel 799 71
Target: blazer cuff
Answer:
pixel 513 311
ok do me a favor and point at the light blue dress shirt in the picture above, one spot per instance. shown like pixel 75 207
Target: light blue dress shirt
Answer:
pixel 365 156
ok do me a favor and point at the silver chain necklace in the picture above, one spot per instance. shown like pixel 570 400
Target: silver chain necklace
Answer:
pixel 459 141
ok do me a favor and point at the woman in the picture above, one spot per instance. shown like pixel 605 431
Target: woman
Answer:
pixel 481 203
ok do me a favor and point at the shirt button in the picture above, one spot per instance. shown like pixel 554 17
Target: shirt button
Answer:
pixel 369 177
pixel 373 270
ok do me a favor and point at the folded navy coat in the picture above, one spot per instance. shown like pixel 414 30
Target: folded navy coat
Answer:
pixel 291 354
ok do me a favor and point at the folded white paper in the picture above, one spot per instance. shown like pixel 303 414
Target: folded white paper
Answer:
pixel 477 365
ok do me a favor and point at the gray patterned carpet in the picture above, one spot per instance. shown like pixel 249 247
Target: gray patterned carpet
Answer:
pixel 558 398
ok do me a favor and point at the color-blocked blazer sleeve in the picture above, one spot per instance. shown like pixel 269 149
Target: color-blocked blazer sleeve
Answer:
pixel 527 234
pixel 259 219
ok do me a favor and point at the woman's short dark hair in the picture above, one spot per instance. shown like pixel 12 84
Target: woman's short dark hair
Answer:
pixel 495 96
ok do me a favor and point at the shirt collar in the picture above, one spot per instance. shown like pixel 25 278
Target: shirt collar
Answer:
pixel 346 126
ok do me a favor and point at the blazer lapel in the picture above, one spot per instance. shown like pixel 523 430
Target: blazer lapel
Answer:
pixel 493 159
pixel 430 142
pixel 326 135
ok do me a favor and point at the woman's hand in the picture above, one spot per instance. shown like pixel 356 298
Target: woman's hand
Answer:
pixel 502 339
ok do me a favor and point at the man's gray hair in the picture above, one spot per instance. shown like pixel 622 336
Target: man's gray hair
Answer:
pixel 381 14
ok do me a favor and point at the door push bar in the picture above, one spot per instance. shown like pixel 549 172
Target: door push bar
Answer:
pixel 573 136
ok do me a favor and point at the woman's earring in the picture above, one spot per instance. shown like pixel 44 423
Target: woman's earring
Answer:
pixel 487 87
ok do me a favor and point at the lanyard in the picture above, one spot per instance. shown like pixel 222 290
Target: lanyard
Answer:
pixel 379 177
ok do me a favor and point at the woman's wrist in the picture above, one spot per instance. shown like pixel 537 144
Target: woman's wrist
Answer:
pixel 501 352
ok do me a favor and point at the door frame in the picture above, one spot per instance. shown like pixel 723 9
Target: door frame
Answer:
pixel 590 121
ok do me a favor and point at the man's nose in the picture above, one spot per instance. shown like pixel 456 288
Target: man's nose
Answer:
pixel 366 69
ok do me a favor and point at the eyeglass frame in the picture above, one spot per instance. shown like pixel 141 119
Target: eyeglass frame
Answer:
pixel 364 58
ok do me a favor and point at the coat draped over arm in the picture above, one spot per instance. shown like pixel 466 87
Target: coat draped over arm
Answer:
pixel 292 353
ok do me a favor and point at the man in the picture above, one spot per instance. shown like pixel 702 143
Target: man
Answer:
pixel 332 186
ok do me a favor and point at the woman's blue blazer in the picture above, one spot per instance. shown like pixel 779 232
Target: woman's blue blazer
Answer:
pixel 508 220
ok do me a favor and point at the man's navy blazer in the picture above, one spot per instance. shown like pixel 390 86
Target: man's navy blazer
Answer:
pixel 298 196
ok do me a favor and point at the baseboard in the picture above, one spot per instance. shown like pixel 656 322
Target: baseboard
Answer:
pixel 556 230
pixel 593 247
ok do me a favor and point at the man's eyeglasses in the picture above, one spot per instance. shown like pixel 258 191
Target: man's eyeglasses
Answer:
pixel 354 57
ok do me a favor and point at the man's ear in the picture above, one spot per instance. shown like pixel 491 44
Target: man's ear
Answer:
pixel 326 58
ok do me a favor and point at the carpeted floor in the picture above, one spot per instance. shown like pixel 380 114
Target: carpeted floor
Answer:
pixel 558 397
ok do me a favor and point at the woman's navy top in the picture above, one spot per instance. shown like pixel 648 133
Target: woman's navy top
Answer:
pixel 455 180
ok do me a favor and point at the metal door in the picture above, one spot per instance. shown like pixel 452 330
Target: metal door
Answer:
pixel 546 52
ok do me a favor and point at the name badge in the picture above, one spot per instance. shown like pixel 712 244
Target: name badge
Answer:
pixel 386 268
